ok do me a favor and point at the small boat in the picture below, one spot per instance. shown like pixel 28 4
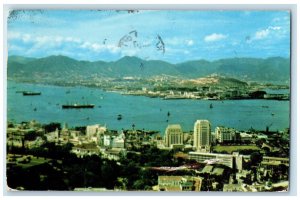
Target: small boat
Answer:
pixel 119 117
pixel 26 93
pixel 168 114
pixel 211 106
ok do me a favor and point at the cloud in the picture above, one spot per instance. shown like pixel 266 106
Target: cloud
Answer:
pixel 96 47
pixel 178 41
pixel 261 34
pixel 214 37
pixel 275 27
pixel 190 42
pixel 38 43
pixel 71 39
pixel 13 35
pixel 18 36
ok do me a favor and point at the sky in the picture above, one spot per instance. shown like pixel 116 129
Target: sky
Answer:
pixel 168 35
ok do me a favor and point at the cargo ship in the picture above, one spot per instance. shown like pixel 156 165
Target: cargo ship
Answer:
pixel 77 106
pixel 25 93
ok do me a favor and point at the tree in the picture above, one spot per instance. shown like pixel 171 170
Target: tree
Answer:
pixel 52 127
pixel 256 158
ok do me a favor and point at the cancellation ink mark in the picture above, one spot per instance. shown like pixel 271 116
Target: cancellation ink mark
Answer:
pixel 160 45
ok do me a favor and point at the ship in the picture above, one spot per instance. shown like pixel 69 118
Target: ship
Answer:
pixel 25 93
pixel 77 106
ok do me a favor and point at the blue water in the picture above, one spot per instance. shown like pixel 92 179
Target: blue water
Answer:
pixel 144 112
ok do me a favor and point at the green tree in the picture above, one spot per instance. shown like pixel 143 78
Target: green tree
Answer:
pixel 256 158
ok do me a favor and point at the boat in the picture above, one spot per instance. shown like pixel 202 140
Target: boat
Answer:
pixel 77 106
pixel 25 93
pixel 119 117
pixel 211 106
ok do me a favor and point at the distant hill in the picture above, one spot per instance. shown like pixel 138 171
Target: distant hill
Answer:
pixel 20 59
pixel 247 69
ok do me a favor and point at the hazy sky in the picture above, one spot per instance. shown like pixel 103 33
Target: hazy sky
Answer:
pixel 173 36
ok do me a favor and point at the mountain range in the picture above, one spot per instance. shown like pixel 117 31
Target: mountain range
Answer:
pixel 247 69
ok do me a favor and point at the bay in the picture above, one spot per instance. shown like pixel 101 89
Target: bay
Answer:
pixel 145 113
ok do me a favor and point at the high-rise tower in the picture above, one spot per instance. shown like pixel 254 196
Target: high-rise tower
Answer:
pixel 173 135
pixel 202 135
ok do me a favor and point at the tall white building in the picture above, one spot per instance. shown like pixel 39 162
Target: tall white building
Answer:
pixel 173 135
pixel 202 135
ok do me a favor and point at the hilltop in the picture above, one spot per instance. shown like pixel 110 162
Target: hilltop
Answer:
pixel 55 67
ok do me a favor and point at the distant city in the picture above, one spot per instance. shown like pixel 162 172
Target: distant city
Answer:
pixel 224 159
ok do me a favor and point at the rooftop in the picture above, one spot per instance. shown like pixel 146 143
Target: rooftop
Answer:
pixel 169 178
pixel 207 169
pixel 173 126
pixel 218 171
pixel 87 146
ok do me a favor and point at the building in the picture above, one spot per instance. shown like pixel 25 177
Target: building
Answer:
pixel 179 183
pixel 245 137
pixel 212 158
pixel 232 188
pixel 53 136
pixel 173 135
pixel 107 141
pixel 95 130
pixel 113 153
pixel 169 183
pixel 270 162
pixel 224 134
pixel 86 149
pixel 235 160
pixel 118 142
pixel 202 135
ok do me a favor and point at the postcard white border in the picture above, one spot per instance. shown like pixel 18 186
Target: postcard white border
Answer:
pixel 156 4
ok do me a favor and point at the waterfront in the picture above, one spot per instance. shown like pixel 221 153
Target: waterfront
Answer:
pixel 144 112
